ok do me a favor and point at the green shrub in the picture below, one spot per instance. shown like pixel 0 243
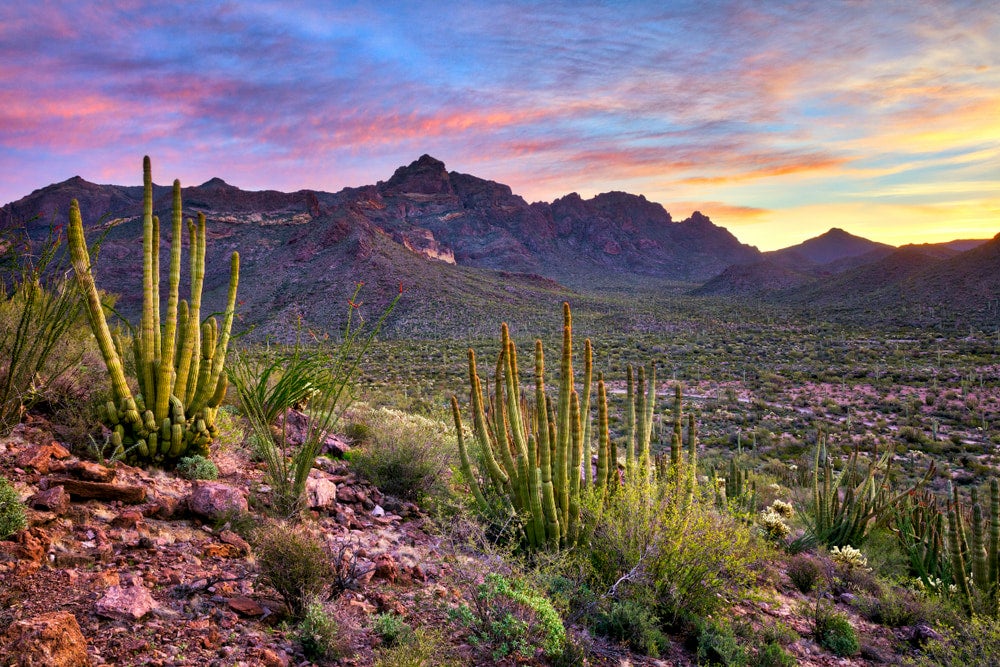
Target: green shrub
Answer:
pixel 408 456
pixel 294 563
pixel 804 572
pixel 197 467
pixel 392 629
pixel 694 558
pixel 835 633
pixel 774 655
pixel 717 645
pixel 969 643
pixel 359 433
pixel 319 633
pixel 634 625
pixel 425 648
pixel 511 619
pixel 896 607
pixel 12 517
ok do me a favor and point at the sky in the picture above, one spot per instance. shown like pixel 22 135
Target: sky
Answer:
pixel 777 119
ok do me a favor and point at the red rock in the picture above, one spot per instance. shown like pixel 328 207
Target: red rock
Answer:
pixel 93 472
pixel 130 519
pixel 270 658
pixel 33 544
pixel 126 493
pixel 386 568
pixel 49 640
pixel 213 499
pixel 130 603
pixel 245 606
pixel 418 573
pixel 221 551
pixel 54 499
pixel 347 494
pixel 40 457
pixel 229 537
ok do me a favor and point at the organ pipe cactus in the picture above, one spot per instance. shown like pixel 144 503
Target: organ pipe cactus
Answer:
pixel 532 452
pixel 974 563
pixel 179 361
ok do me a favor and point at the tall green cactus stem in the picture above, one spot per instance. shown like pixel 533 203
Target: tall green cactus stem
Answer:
pixel 630 417
pixel 179 361
pixel 532 448
pixel 676 437
pixel 588 374
pixel 958 569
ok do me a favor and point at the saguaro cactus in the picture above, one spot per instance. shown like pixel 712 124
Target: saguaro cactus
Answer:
pixel 179 361
pixel 532 455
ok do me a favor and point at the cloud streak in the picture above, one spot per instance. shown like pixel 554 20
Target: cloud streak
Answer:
pixel 758 107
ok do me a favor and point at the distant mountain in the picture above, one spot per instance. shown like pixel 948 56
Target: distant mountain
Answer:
pixel 834 245
pixel 458 244
pixel 753 280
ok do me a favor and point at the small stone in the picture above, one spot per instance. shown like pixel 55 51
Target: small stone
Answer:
pixel 245 606
pixel 130 519
pixel 53 640
pixel 386 568
pixel 229 537
pixel 269 658
pixel 221 551
pixel 320 492
pixel 347 494
pixel 130 603
pixel 40 457
pixel 377 511
pixel 54 499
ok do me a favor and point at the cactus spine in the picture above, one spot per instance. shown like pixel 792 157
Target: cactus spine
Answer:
pixel 179 362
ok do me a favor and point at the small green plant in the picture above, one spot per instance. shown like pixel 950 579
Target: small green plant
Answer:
pixel 12 517
pixel 268 388
pixel 717 645
pixel 804 572
pixel 407 456
pixel 633 624
pixel 197 467
pixel 106 454
pixel 511 619
pixel 319 633
pixel 294 563
pixel 425 648
pixel 774 655
pixel 392 629
pixel 834 631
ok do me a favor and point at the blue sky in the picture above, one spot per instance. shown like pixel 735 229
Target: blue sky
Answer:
pixel 777 119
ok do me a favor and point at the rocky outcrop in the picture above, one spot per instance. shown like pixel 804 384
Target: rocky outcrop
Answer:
pixel 49 640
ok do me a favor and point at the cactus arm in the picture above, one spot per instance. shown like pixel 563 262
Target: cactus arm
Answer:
pixel 573 529
pixel 95 311
pixel 588 374
pixel 645 456
pixel 168 342
pixel 548 502
pixel 630 415
pixel 463 454
pixel 563 416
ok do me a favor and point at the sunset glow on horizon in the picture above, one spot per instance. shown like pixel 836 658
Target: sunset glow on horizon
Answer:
pixel 777 120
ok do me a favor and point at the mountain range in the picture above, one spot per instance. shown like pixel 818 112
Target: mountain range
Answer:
pixel 460 246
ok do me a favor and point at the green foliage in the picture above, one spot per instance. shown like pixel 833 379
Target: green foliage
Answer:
pixel 179 361
pixel 509 618
pixel 197 467
pixel 834 631
pixel 653 540
pixel 392 629
pixel 407 456
pixel 12 516
pixel 804 572
pixel 971 643
pixel 319 633
pixel 423 648
pixel 268 388
pixel 633 624
pixel 38 318
pixel 717 645
pixel 294 563
pixel 774 655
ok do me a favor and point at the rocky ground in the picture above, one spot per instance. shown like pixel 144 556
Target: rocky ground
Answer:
pixel 124 566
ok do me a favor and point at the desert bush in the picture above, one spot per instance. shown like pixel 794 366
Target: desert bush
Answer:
pixel 717 645
pixel 674 548
pixel 774 655
pixel 634 625
pixel 407 456
pixel 38 315
pixel 804 572
pixel 834 631
pixel 424 648
pixel 294 563
pixel 392 629
pixel 509 618
pixel 895 607
pixel 12 516
pixel 319 633
pixel 197 467
pixel 971 643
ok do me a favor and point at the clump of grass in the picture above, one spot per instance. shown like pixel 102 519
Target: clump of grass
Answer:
pixel 319 634
pixel 197 467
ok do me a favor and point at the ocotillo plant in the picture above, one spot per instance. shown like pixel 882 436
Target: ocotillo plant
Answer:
pixel 532 454
pixel 179 361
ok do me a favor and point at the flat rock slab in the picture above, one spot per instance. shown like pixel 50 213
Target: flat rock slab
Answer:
pixel 100 490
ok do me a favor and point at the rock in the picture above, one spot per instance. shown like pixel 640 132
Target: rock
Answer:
pixel 221 551
pixel 55 499
pixel 125 493
pixel 128 604
pixel 270 658
pixel 40 457
pixel 377 511
pixel 32 544
pixel 347 494
pixel 130 519
pixel 919 634
pixel 321 493
pixel 229 537
pixel 49 640
pixel 92 472
pixel 386 568
pixel 213 499
pixel 387 604
pixel 245 606
pixel 296 427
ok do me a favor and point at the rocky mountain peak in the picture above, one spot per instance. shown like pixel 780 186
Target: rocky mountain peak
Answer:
pixel 426 176
pixel 216 183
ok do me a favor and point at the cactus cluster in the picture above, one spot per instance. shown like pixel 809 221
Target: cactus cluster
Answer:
pixel 179 360
pixel 975 564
